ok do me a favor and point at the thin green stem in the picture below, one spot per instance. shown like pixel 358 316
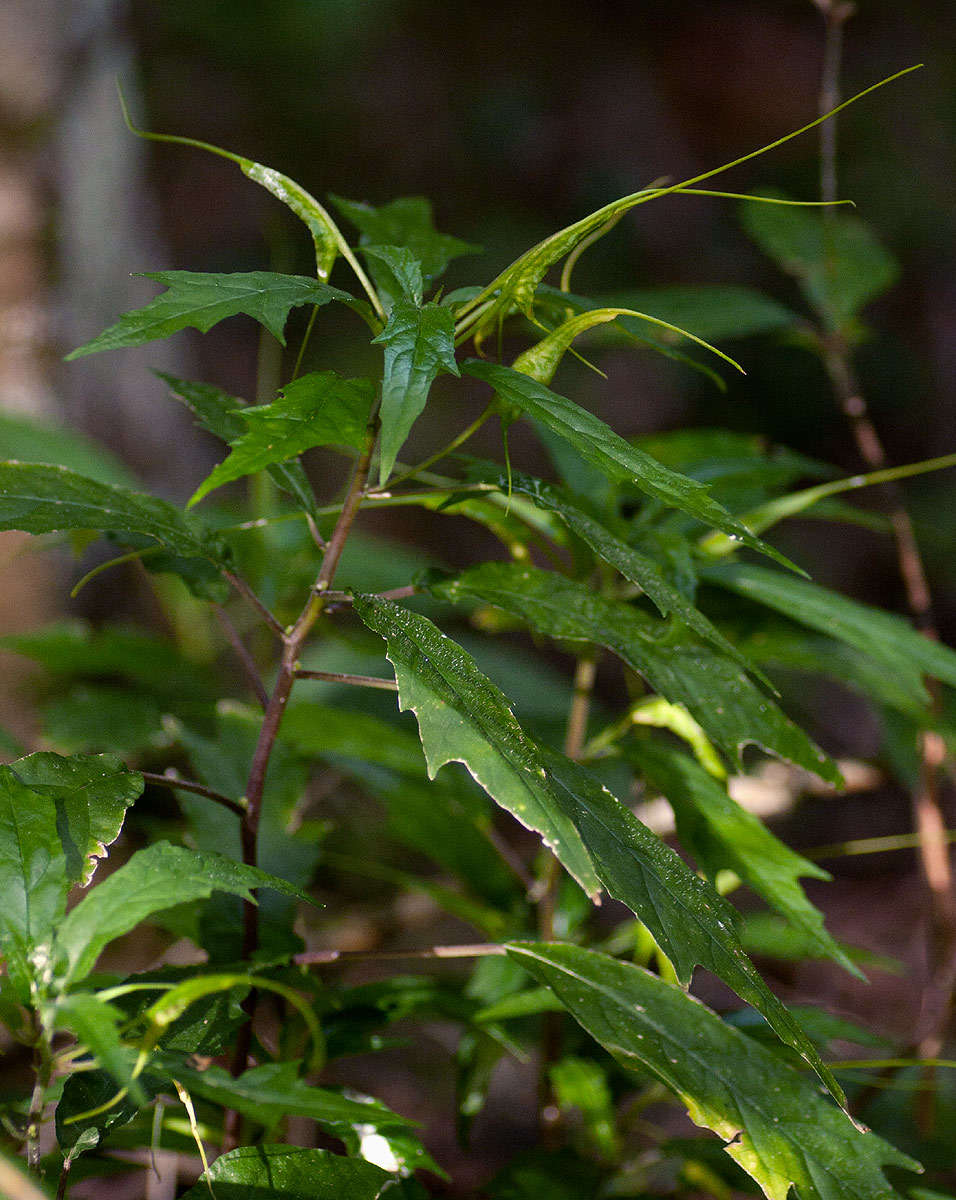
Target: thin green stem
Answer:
pixel 305 342
pixel 442 453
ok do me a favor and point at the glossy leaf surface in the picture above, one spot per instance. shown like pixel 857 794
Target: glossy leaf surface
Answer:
pixel 200 301
pixel 220 413
pixel 153 879
pixel 91 794
pixel 42 499
pixel 636 567
pixel 616 458
pixel 463 717
pixel 774 1121
pixel 686 917
pixel 274 1172
pixel 319 409
pixel 720 834
pixel 406 222
pixel 884 637
pixel 419 343
pixel 729 707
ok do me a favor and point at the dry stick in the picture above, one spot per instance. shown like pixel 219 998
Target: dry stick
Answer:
pixel 242 653
pixel 186 785
pixel 938 996
pixel 368 681
pixel 323 958
pixel 293 641
pixel 574 738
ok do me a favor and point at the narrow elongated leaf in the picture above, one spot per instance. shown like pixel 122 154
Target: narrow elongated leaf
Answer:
pixel 315 410
pixel 42 499
pixel 722 835
pixel 199 300
pixel 514 288
pixel 406 222
pixel 712 311
pixel 599 445
pixel 884 637
pixel 463 717
pixel 220 413
pixel 155 878
pixel 97 1025
pixel 729 707
pixel 419 343
pixel 839 262
pixel 90 794
pixel 33 879
pixel 774 1121
pixel 686 917
pixel 27 440
pixel 274 1172
pixel 634 566
pixel 541 361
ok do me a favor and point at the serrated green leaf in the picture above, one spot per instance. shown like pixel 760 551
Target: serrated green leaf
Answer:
pixel 884 637
pixel 158 877
pixel 33 879
pixel 90 794
pixel 397 274
pixel 26 440
pixel 838 261
pixel 722 835
pixel 419 343
pixel 41 499
pixel 406 222
pixel 463 717
pixel 729 707
pixel 599 445
pixel 315 410
pixel 634 566
pixel 97 1025
pixel 199 300
pixel 686 917
pixel 274 1172
pixel 219 412
pixel 774 1121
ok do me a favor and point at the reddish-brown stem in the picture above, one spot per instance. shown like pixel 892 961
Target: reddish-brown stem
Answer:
pixel 186 785
pixel 938 997
pixel 241 651
pixel 245 590
pixel 292 642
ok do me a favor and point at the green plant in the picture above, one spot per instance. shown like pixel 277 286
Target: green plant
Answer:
pixel 645 550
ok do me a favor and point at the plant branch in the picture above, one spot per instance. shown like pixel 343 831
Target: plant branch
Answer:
pixel 245 590
pixel 319 958
pixel 293 641
pixel 938 996
pixel 443 452
pixel 242 653
pixel 367 681
pixel 175 784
